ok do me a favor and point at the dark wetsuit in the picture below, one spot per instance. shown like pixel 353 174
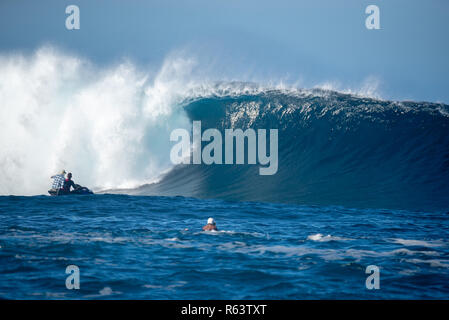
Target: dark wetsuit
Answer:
pixel 67 184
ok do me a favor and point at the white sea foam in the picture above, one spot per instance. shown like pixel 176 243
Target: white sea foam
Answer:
pixel 106 291
pixel 108 126
pixel 327 253
pixel 435 263
pixel 413 252
pixel 234 233
pixel 168 287
pixel 319 237
pixel 420 243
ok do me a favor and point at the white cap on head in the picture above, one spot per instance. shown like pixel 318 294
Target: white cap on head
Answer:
pixel 210 221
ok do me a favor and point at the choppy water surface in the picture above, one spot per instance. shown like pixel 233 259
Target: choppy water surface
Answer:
pixel 140 247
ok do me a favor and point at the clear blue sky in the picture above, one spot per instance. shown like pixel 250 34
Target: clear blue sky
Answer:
pixel 315 40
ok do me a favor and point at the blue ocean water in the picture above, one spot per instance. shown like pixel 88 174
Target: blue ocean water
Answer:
pixel 151 247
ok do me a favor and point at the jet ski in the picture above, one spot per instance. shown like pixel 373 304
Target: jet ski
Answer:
pixel 78 190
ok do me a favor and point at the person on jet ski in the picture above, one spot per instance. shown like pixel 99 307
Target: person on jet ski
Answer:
pixel 68 183
pixel 58 180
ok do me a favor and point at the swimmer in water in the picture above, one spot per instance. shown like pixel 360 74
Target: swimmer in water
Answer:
pixel 210 226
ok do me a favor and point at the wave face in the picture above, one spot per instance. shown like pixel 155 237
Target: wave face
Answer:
pixel 334 148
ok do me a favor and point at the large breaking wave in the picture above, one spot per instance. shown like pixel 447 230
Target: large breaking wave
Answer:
pixel 111 127
pixel 334 149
